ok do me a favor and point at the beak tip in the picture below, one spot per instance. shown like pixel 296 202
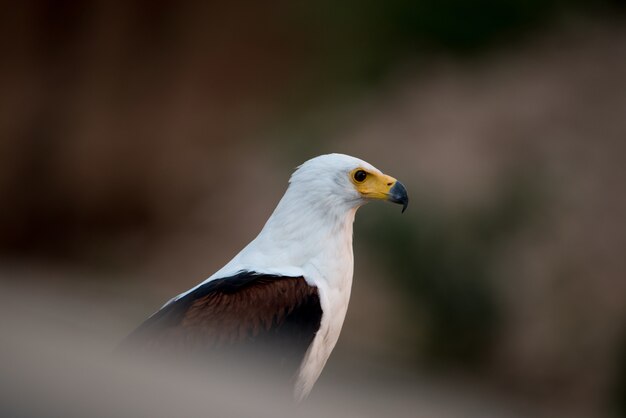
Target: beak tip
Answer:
pixel 399 195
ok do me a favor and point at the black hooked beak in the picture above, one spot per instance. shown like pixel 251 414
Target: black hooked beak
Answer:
pixel 397 194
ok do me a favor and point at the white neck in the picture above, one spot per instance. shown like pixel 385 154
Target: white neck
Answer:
pixel 311 237
pixel 306 232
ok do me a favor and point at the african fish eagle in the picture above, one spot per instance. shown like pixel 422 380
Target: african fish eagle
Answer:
pixel 287 291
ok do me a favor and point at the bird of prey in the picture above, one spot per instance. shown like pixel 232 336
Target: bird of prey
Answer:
pixel 286 293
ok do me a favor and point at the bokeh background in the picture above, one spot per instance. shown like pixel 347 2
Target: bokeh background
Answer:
pixel 143 143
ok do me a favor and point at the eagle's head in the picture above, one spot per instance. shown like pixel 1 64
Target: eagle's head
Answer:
pixel 333 177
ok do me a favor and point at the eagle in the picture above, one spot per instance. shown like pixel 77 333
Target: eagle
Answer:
pixel 286 293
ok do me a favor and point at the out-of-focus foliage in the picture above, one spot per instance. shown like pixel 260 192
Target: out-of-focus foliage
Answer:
pixel 358 41
pixel 619 386
pixel 444 260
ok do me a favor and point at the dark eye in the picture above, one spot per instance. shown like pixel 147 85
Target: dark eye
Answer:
pixel 360 176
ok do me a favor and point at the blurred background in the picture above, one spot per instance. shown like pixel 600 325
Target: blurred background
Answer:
pixel 144 143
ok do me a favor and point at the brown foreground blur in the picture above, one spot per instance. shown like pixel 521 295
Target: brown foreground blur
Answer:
pixel 60 361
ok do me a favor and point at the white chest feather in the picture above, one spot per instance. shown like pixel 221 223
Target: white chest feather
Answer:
pixel 322 253
pixel 334 282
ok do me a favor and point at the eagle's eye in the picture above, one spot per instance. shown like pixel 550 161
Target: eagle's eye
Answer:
pixel 360 176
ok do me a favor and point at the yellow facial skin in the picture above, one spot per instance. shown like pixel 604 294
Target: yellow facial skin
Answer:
pixel 374 186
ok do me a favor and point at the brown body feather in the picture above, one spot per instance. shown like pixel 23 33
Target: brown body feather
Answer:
pixel 273 316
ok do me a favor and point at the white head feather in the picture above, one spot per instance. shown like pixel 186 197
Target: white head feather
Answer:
pixel 316 211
